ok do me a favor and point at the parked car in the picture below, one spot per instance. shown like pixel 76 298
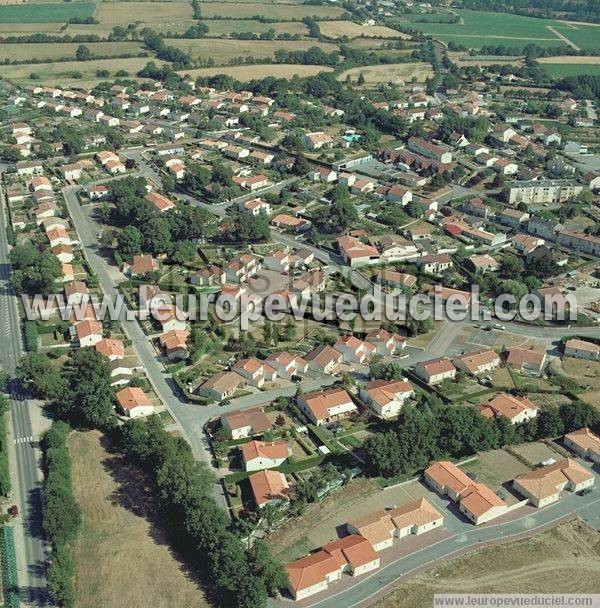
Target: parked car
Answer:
pixel 13 510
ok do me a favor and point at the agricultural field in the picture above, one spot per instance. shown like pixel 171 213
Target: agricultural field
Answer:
pixel 249 72
pixel 283 12
pixel 121 536
pixel 218 27
pixel 393 72
pixel 337 29
pixel 16 29
pixel 45 13
pixel 123 13
pixel 479 28
pixel 60 50
pixel 60 73
pixel 566 558
pixel 224 50
pixel 560 70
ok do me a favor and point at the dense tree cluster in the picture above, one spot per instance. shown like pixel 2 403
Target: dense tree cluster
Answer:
pixel 431 431
pixel 34 271
pixel 239 577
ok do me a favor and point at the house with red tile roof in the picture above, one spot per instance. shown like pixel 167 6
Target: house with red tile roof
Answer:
pixel 386 397
pixel 256 372
pixel 585 443
pixel 245 423
pixel 516 409
pixel 543 486
pixel 435 371
pixel 267 487
pixel 133 402
pixel 323 407
pixel 257 455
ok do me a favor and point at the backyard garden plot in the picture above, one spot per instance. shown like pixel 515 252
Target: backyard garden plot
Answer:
pixel 45 13
pixel 480 28
pixel 222 51
pixel 281 12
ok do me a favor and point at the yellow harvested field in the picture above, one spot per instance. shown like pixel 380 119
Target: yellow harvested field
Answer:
pixel 60 50
pixel 123 13
pixel 281 12
pixel 218 27
pixel 392 72
pixel 337 29
pixel 49 72
pixel 569 59
pixel 224 50
pixel 565 559
pixel 249 72
pixel 122 557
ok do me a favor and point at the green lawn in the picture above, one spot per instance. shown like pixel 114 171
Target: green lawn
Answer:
pixel 45 13
pixel 480 28
pixel 559 70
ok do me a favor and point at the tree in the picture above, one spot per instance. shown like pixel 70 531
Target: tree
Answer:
pixel 289 331
pixel 40 376
pixel 129 242
pixel 184 252
pixel 266 568
pixel 34 271
pixel 91 402
pixel 156 235
pixel 83 53
pixel 577 415
pixel 251 228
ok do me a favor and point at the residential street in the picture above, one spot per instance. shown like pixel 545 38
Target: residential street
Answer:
pixel 26 420
pixel 464 537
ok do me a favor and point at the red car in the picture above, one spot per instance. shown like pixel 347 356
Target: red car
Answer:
pixel 13 510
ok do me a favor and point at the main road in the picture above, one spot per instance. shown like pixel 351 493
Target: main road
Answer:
pixel 31 549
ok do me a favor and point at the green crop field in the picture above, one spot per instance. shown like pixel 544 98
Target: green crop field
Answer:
pixel 574 69
pixel 217 27
pixel 45 13
pixel 480 28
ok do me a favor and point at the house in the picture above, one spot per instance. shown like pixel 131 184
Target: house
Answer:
pixel 278 260
pixel 394 248
pixel 355 252
pixel 29 167
pixel 268 487
pixel 527 361
pixel 246 423
pixel 435 371
pixel 86 333
pixel 255 206
pixel 543 486
pixel 386 397
pixel 483 263
pixel 174 343
pixel 396 279
pixel 111 348
pixel 512 217
pixel 580 349
pixel 584 443
pixel 477 362
pixel 140 265
pixel 221 385
pixel 516 409
pixel 537 192
pixel 133 402
pixel 71 172
pixel 312 574
pixel 354 350
pixel 382 527
pixel 324 358
pixel 170 317
pixel 162 203
pixel 76 292
pixel 434 263
pixel 323 407
pixel 580 241
pixel 257 455
pixel 242 267
pixel 286 364
pixel 317 140
pixel 385 343
pixel 475 500
pixel 288 222
pixel 256 372
pixel 426 148
pixel 97 191
pixel 209 276
pixel 399 194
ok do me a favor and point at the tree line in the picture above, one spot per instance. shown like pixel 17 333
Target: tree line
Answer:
pixel 62 515
pixel 430 431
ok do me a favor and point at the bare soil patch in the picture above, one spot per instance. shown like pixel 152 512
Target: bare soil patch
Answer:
pixel 565 559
